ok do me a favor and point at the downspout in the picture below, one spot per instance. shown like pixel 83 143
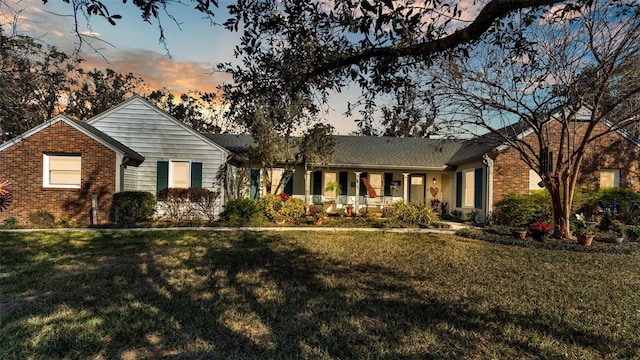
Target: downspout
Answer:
pixel 488 162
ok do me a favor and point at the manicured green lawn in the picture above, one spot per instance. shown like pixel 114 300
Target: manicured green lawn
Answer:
pixel 190 294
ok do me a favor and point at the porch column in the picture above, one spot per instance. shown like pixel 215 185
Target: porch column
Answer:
pixel 307 186
pixel 405 187
pixel 356 204
pixel 489 202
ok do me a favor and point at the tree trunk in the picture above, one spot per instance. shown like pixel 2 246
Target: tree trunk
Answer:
pixel 561 207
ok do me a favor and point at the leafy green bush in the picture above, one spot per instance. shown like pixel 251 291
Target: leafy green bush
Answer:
pixel 420 215
pixel 522 210
pixel 271 205
pixel 276 209
pixel 242 211
pixel 41 218
pixel 133 206
pixel 292 210
pixel 11 222
pixel 633 233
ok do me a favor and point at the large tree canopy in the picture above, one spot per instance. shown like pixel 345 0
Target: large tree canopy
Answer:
pixel 317 47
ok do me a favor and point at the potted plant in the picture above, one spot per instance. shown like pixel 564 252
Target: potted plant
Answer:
pixel 520 233
pixel 335 187
pixel 540 230
pixel 585 231
pixel 617 229
pixel 349 210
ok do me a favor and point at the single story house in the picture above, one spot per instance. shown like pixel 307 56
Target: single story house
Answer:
pixel 467 176
pixel 136 146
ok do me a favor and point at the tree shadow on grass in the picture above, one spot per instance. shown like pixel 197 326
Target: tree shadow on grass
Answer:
pixel 254 295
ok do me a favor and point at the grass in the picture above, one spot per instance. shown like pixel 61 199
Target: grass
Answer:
pixel 190 294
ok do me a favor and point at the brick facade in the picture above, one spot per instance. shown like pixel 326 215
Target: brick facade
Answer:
pixel 612 151
pixel 22 165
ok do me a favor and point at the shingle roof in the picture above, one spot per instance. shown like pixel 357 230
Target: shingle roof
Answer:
pixel 391 152
pixel 238 144
pixel 368 151
pixel 473 149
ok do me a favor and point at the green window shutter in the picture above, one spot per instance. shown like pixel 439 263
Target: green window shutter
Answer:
pixel 255 184
pixel 317 183
pixel 288 183
pixel 162 179
pixel 196 175
pixel 388 178
pixel 477 189
pixel 363 188
pixel 459 189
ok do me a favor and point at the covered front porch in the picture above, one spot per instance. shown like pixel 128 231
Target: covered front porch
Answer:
pixel 373 189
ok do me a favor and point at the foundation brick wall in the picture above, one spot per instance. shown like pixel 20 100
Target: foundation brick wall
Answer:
pixel 612 151
pixel 22 165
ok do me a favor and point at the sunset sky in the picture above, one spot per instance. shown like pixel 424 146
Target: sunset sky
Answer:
pixel 194 45
pixel 132 46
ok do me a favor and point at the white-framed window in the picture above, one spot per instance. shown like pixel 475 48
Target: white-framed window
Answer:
pixel 609 178
pixel 62 171
pixel 534 180
pixel 179 174
pixel 468 186
pixel 329 177
pixel 376 183
pixel 275 176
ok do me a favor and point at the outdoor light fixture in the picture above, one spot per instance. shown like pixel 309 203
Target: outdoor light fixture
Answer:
pixel 434 180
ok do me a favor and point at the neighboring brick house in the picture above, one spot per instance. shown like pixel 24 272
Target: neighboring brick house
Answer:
pixel 610 161
pixel 59 166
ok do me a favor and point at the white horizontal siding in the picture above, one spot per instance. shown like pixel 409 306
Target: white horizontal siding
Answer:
pixel 130 179
pixel 152 134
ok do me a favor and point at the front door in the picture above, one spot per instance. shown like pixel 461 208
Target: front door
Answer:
pixel 417 188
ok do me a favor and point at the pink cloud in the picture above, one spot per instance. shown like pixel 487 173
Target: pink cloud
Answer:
pixel 159 71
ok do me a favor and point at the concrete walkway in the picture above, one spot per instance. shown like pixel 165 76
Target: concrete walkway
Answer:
pixel 453 228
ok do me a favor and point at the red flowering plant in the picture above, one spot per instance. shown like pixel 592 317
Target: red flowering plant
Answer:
pixel 540 228
pixel 284 197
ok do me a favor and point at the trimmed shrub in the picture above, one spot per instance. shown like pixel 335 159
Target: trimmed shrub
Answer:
pixel 522 210
pixel 204 202
pixel 270 204
pixel 41 218
pixel 133 206
pixel 589 202
pixel 183 204
pixel 11 222
pixel 275 208
pixel 420 215
pixel 242 211
pixel 292 210
pixel 175 203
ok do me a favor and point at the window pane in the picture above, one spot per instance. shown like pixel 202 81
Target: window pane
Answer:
pixel 180 175
pixel 64 163
pixel 376 183
pixel 329 177
pixel 60 177
pixel 534 180
pixel 64 170
pixel 609 178
pixel 469 177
